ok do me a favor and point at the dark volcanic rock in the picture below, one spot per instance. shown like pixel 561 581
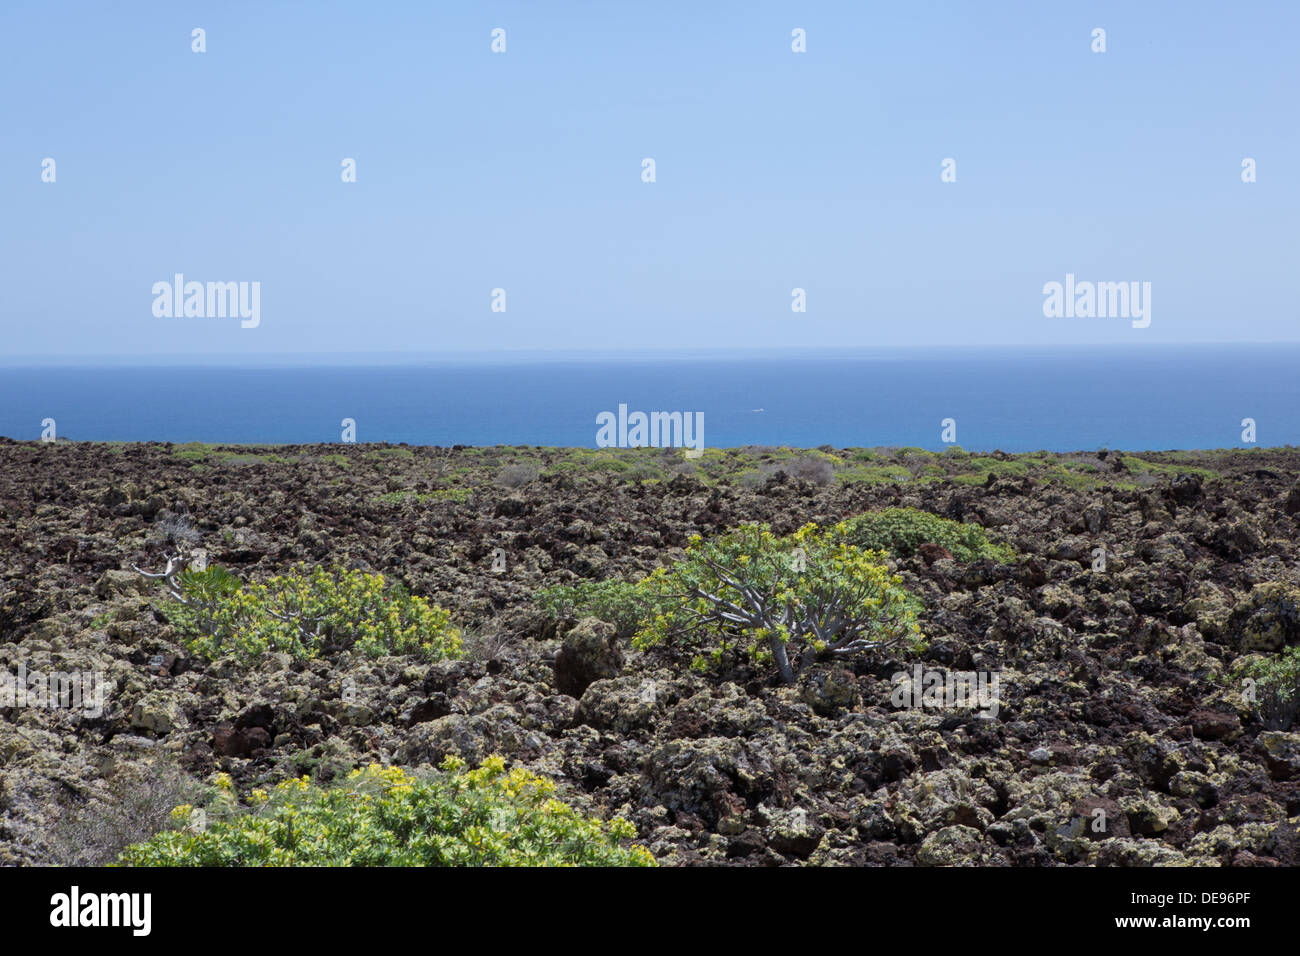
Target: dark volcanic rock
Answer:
pixel 590 652
pixel 1119 736
pixel 1268 620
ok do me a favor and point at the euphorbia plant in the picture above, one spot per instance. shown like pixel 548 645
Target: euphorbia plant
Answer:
pixel 783 600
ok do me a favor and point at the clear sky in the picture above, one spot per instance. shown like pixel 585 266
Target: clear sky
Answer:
pixel 523 171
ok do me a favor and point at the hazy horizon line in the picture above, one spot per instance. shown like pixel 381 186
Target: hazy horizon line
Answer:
pixel 219 443
pixel 547 356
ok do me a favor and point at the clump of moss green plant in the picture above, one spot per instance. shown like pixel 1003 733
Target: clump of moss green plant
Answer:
pixel 901 531
pixel 625 604
pixel 1271 685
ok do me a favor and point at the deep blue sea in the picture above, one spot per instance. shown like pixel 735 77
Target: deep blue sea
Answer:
pixel 1017 400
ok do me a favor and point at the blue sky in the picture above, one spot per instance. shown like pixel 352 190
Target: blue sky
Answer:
pixel 522 171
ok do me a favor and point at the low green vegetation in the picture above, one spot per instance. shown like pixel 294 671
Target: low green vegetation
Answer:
pixel 901 531
pixel 1274 686
pixel 751 466
pixel 192 451
pixel 592 464
pixel 387 454
pixel 305 613
pixel 624 604
pixel 200 453
pixel 778 601
pixel 438 494
pixel 1139 466
pixel 384 816
pixel 875 475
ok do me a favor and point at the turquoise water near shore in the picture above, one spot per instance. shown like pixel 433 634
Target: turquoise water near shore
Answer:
pixel 1017 400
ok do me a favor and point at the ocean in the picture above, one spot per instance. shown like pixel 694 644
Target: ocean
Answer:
pixel 1015 400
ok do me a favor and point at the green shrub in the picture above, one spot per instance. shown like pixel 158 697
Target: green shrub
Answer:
pixel 900 531
pixel 780 600
pixel 305 613
pixel 387 817
pixel 624 604
pixel 203 597
pixel 1276 684
pixel 419 498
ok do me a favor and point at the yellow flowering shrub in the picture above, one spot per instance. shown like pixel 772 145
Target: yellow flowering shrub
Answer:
pixel 779 599
pixel 384 816
pixel 305 613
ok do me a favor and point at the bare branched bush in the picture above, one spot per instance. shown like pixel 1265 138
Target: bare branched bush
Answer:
pixel 915 466
pixel 1280 706
pixel 518 474
pixel 486 644
pixel 136 806
pixel 817 471
pixel 175 530
pixel 1088 463
pixel 437 460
